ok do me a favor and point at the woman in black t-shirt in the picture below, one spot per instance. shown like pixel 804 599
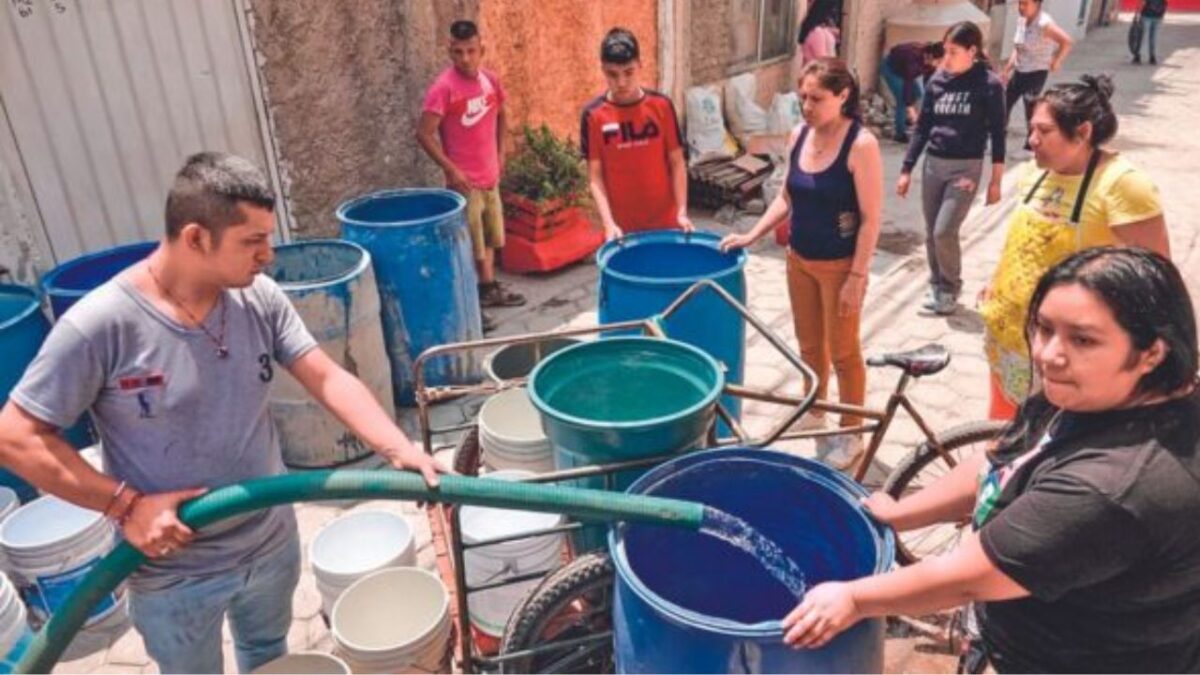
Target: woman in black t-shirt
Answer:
pixel 1085 555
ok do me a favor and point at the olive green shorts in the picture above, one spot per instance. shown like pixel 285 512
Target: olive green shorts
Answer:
pixel 485 218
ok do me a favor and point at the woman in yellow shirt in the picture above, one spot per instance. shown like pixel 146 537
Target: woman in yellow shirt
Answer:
pixel 1078 195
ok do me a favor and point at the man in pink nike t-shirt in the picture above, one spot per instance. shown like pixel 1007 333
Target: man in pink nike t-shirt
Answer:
pixel 462 129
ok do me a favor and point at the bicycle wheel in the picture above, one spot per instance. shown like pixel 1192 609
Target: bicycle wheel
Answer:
pixel 572 603
pixel 925 466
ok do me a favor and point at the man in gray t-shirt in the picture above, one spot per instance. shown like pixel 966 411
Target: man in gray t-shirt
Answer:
pixel 174 360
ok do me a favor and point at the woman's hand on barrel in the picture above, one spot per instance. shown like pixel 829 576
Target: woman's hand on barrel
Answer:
pixel 827 610
pixel 152 524
pixel 732 242
pixel 882 507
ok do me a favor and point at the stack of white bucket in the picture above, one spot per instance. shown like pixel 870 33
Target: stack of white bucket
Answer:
pixel 49 546
pixel 490 609
pixel 394 621
pixel 355 546
pixel 511 436
pixel 14 622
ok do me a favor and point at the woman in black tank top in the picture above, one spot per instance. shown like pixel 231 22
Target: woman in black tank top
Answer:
pixel 835 181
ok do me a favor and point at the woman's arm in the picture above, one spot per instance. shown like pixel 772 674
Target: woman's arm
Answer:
pixel 1150 234
pixel 779 208
pixel 1065 43
pixel 961 576
pixel 948 500
pixel 866 168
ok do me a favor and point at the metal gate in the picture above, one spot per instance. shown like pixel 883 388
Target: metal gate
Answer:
pixel 105 98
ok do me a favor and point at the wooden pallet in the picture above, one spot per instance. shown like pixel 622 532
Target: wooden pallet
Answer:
pixel 716 183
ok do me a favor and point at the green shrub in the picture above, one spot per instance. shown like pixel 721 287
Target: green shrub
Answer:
pixel 546 168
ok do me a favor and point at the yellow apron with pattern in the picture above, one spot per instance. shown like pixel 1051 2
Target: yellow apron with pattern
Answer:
pixel 1035 243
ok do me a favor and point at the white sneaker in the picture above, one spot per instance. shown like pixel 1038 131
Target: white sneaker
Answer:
pixel 840 452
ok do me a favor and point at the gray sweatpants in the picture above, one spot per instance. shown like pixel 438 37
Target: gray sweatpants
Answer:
pixel 945 205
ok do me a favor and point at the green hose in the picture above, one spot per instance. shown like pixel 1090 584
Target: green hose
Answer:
pixel 48 645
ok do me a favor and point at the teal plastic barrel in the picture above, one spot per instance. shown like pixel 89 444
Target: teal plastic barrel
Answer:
pixel 624 399
pixel 23 328
pixel 643 273
pixel 332 286
pixel 421 252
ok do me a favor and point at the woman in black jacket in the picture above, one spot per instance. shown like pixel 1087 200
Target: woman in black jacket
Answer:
pixel 962 110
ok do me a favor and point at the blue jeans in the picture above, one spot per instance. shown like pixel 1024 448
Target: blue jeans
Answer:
pixel 896 84
pixel 1150 25
pixel 181 624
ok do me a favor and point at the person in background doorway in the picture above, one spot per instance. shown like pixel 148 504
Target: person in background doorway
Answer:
pixel 1152 12
pixel 818 34
pixel 1082 556
pixel 905 69
pixel 833 199
pixel 963 110
pixel 462 129
pixel 174 360
pixel 630 138
pixel 1076 194
pixel 1039 48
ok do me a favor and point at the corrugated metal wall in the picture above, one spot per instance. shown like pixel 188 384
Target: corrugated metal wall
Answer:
pixel 105 98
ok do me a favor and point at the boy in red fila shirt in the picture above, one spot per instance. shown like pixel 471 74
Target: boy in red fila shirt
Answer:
pixel 630 138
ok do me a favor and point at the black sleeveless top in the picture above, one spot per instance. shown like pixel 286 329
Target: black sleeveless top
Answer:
pixel 825 213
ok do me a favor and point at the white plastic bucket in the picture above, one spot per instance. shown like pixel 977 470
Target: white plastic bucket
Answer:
pixel 9 502
pixel 49 546
pixel 490 609
pixel 511 436
pixel 355 545
pixel 14 626
pixel 304 663
pixel 395 620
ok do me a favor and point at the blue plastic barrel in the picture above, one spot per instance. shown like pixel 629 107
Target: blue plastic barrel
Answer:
pixel 690 603
pixel 643 273
pixel 66 284
pixel 332 286
pixel 23 328
pixel 421 252
pixel 623 399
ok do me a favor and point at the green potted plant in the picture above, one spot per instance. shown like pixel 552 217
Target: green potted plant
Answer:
pixel 545 185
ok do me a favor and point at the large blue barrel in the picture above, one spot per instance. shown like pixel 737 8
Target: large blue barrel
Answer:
pixel 690 603
pixel 332 287
pixel 623 399
pixel 421 252
pixel 643 273
pixel 23 327
pixel 66 284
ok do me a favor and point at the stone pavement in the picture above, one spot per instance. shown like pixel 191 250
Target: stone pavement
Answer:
pixel 1157 112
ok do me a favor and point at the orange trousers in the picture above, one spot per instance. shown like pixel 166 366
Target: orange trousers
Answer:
pixel 826 338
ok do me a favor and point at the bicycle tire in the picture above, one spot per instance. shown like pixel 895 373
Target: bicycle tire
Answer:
pixel 588 578
pixel 901 478
pixel 468 455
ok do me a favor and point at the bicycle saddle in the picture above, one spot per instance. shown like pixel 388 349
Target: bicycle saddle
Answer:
pixel 927 360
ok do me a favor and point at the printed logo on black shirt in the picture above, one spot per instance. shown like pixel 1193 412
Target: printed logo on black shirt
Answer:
pixel 953 103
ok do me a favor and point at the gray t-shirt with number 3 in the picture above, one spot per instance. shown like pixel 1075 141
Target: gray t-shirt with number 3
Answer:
pixel 170 412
